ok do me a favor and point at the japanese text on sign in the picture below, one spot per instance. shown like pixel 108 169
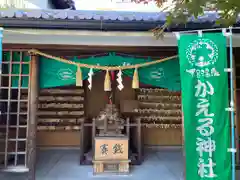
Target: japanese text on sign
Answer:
pixel 205 120
pixel 116 149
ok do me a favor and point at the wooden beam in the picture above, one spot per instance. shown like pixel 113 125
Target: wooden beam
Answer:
pixel 32 123
pixel 236 112
pixel 89 49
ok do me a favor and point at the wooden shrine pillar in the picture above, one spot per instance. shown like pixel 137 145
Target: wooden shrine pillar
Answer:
pixel 236 113
pixel 32 124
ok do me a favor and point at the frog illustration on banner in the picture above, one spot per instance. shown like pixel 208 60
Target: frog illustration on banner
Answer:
pixel 158 75
pixel 66 74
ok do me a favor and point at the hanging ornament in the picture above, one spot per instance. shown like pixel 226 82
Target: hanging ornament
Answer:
pixel 90 74
pixel 107 82
pixel 135 81
pixel 112 75
pixel 119 80
pixel 79 81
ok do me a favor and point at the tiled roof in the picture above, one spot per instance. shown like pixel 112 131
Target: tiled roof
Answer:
pixel 96 15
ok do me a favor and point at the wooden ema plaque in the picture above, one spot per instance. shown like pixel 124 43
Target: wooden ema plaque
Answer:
pixel 111 155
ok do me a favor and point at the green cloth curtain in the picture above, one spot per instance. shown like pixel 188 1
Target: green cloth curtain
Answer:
pixel 164 75
pixel 54 73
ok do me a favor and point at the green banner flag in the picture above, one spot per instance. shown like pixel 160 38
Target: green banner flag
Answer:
pixel 54 73
pixel 205 98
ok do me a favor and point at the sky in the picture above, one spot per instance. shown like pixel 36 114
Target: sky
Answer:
pixel 117 5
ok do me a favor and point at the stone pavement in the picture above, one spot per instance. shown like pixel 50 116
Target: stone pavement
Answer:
pixel 163 164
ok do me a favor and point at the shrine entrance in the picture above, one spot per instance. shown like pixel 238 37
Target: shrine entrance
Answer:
pixel 67 114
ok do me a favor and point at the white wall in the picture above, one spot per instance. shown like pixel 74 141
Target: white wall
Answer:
pixel 39 4
pixel 30 4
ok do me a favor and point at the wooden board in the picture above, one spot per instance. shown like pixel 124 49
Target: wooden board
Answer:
pixel 115 167
pixel 111 148
pixel 60 108
pixel 159 108
pixel 58 138
pixel 128 106
pixel 96 98
pixel 162 137
pixel 127 93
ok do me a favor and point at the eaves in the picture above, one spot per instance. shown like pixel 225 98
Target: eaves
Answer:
pixel 96 20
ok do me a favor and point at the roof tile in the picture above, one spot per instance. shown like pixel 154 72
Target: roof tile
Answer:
pixel 97 15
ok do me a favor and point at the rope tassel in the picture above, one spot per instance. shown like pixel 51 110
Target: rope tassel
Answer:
pixel 135 81
pixel 107 82
pixel 79 81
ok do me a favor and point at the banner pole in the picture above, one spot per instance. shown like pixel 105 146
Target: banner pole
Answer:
pixel 232 106
pixel 183 146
